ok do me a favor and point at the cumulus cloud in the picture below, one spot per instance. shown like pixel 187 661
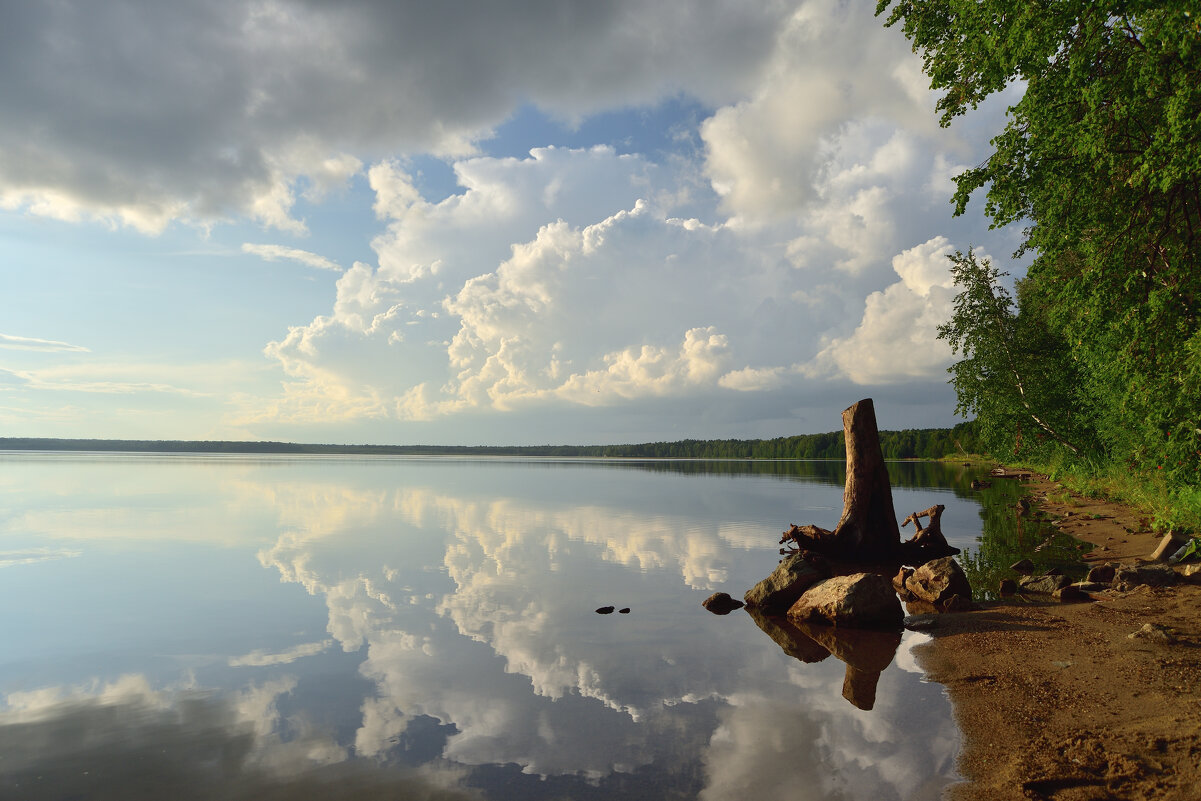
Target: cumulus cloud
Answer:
pixel 897 339
pixel 751 267
pixel 143 113
pixel 566 278
pixel 277 252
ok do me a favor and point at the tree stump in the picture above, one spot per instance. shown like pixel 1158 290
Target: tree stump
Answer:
pixel 867 531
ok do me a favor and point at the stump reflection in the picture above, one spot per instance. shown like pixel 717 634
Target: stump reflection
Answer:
pixel 866 653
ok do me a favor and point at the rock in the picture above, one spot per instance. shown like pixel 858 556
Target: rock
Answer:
pixel 1167 546
pixel 1090 586
pixel 938 581
pixel 1044 584
pixel 1024 566
pixel 1070 593
pixel 720 603
pixel 780 590
pixel 861 600
pixel 1153 632
pixel 1191 573
pixel 921 622
pixel 1008 587
pixel 1102 574
pixel 625 610
pixel 605 610
pixel 1127 577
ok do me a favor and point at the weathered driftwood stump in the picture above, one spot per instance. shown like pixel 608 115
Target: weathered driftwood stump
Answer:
pixel 868 533
pixel 868 526
pixel 927 543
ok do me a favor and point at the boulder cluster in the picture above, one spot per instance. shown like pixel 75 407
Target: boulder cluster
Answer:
pixel 804 588
pixel 1109 576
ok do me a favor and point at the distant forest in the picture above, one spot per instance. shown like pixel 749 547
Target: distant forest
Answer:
pixel 921 443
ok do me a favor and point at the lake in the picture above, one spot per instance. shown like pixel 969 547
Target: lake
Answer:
pixel 230 626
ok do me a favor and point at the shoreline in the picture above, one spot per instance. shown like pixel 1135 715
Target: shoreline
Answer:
pixel 1056 700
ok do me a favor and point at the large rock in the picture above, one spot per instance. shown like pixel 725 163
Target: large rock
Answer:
pixel 861 600
pixel 776 593
pixel 939 581
pixel 1127 577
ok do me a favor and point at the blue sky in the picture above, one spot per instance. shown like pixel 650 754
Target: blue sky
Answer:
pixel 514 223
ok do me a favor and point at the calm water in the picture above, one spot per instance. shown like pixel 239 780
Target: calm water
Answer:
pixel 248 627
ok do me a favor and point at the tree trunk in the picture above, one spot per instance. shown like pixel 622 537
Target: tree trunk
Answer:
pixel 868 529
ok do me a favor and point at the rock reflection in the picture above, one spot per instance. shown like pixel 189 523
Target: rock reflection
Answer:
pixel 866 653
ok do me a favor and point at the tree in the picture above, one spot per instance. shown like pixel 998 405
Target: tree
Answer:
pixel 1101 161
pixel 1015 374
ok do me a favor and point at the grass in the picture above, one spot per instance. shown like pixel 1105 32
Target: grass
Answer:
pixel 1167 508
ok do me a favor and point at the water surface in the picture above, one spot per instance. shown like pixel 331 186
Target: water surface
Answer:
pixel 372 627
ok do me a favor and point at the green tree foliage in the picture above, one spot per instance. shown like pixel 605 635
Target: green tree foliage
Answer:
pixel 1101 161
pixel 927 443
pixel 1015 374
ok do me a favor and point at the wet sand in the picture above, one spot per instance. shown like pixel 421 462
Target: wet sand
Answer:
pixel 1057 700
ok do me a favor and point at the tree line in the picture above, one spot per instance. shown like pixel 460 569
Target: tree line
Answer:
pixel 925 443
pixel 1093 358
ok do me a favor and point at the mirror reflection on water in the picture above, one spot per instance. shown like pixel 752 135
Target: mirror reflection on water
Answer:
pixel 372 627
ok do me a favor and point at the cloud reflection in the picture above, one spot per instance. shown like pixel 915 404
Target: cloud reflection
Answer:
pixel 501 642
pixel 126 740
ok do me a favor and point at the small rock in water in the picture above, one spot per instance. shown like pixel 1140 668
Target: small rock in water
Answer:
pixel 1102 574
pixel 625 610
pixel 605 610
pixel 921 622
pixel 720 603
pixel 1008 587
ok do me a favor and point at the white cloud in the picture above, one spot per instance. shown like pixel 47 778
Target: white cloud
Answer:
pixel 262 658
pixel 832 63
pixel 31 556
pixel 143 113
pixel 748 272
pixel 31 343
pixel 480 302
pixel 897 339
pixel 277 252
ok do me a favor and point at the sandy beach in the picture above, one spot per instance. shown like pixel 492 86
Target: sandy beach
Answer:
pixel 1071 701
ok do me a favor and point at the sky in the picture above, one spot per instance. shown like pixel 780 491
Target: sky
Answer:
pixel 514 222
